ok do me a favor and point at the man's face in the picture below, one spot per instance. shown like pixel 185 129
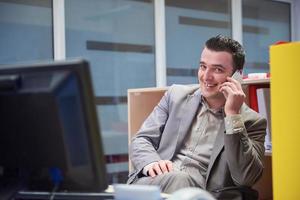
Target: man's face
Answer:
pixel 215 67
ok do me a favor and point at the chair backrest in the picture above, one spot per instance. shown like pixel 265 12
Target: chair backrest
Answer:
pixel 140 104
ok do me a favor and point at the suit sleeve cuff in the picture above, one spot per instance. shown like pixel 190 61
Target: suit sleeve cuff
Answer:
pixel 234 124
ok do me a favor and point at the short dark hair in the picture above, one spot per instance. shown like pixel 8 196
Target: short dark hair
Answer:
pixel 223 43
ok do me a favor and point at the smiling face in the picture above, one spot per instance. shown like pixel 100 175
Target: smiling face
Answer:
pixel 215 66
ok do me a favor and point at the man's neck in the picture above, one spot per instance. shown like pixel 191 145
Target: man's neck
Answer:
pixel 215 104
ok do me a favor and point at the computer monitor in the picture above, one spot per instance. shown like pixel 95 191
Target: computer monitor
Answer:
pixel 49 131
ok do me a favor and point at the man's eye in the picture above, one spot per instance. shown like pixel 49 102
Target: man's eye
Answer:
pixel 218 70
pixel 202 67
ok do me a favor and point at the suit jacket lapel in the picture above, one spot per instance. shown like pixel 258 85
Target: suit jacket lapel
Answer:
pixel 218 146
pixel 186 119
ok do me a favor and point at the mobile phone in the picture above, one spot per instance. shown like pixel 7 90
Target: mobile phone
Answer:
pixel 237 75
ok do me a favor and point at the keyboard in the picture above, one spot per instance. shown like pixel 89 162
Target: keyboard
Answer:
pixel 26 195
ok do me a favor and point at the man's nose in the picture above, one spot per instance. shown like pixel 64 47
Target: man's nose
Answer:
pixel 208 74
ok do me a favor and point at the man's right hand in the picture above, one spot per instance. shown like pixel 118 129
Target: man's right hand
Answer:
pixel 160 167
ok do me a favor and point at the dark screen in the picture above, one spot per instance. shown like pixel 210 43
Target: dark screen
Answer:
pixel 49 127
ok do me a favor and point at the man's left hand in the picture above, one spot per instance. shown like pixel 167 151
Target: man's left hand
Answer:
pixel 234 95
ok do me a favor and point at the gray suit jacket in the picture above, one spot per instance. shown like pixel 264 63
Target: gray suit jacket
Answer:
pixel 235 160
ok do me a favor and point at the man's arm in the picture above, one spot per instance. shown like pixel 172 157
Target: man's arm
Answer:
pixel 143 148
pixel 244 145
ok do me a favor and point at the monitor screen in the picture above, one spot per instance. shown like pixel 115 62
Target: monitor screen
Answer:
pixel 50 134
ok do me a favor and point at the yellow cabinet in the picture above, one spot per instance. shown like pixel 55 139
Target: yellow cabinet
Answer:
pixel 285 111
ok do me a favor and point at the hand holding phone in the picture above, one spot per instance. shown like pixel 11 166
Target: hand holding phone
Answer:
pixel 233 93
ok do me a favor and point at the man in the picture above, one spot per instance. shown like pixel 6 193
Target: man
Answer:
pixel 203 135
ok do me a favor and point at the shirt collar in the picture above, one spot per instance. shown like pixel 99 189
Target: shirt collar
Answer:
pixel 213 111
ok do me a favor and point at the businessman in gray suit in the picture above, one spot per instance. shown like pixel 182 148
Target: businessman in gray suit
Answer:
pixel 203 135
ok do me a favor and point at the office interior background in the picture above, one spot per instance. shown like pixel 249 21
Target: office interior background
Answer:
pixel 137 44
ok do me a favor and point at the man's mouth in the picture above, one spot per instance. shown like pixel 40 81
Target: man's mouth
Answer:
pixel 209 85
